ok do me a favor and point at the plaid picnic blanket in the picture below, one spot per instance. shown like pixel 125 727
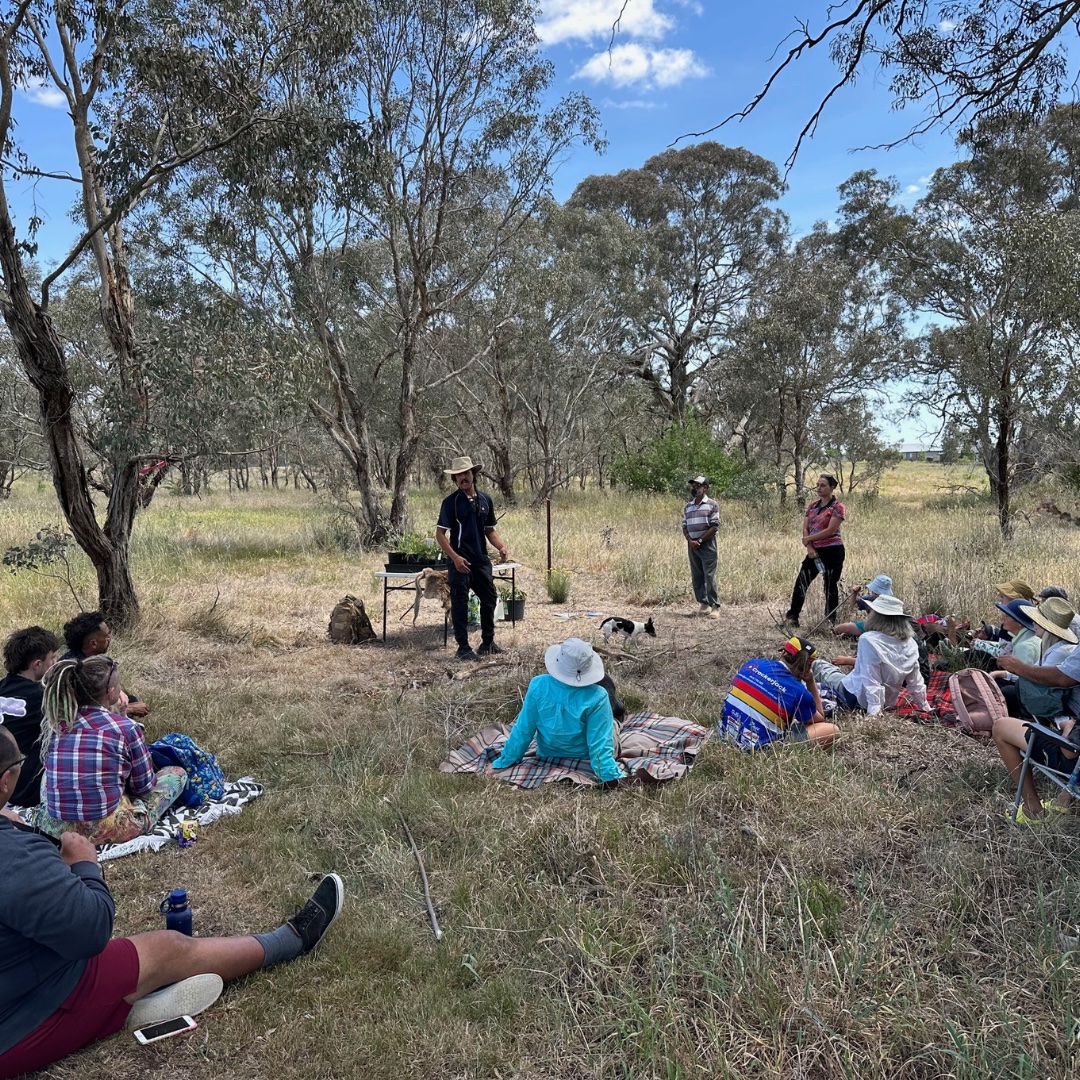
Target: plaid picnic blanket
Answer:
pixel 237 794
pixel 652 748
pixel 939 699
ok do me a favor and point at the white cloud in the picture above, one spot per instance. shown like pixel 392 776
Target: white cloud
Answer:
pixel 946 26
pixel 44 94
pixel 925 179
pixel 587 20
pixel 625 65
pixel 632 103
pixel 912 188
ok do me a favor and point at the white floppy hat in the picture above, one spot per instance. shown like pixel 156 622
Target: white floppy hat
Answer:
pixel 463 464
pixel 574 662
pixel 886 604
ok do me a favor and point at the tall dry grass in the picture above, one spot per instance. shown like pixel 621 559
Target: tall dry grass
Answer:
pixel 865 913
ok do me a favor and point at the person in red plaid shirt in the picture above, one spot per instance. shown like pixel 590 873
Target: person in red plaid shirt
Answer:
pixel 99 777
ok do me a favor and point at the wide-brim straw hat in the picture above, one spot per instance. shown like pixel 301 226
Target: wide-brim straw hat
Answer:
pixel 1016 590
pixel 463 464
pixel 1015 610
pixel 1053 615
pixel 886 605
pixel 574 662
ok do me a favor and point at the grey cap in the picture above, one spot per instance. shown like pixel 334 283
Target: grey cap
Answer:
pixel 700 480
pixel 1054 590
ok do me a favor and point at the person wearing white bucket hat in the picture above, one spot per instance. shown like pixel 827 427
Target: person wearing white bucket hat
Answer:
pixel 568 712
pixel 465 528
pixel 887 658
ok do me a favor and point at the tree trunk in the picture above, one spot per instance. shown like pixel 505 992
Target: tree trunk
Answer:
pixel 41 354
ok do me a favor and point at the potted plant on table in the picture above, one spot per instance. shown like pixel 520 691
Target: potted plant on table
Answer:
pixel 413 552
pixel 513 600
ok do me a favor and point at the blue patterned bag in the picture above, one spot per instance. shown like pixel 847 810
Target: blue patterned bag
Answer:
pixel 206 781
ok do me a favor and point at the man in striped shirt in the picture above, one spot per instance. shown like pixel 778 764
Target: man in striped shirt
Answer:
pixel 701 522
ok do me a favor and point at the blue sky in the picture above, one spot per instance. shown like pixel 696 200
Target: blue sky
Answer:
pixel 679 66
pixel 674 67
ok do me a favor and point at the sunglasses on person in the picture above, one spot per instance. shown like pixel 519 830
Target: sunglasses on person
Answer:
pixel 14 765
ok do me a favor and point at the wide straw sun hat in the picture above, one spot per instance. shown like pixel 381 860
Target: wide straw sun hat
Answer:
pixel 1054 615
pixel 574 662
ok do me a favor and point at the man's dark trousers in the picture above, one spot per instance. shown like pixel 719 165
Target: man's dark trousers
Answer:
pixel 479 580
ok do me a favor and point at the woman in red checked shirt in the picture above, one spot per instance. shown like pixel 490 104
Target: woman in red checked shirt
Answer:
pixel 824 550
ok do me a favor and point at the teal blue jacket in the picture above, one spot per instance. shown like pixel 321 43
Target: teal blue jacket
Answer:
pixel 567 721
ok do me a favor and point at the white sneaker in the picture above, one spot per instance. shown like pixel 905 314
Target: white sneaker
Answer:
pixel 703 608
pixel 712 613
pixel 188 997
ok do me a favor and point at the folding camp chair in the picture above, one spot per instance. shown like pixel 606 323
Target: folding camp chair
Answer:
pixel 1067 781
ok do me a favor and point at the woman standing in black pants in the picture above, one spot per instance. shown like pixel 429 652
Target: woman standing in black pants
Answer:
pixel 824 550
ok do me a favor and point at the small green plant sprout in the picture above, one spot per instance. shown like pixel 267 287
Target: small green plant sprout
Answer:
pixel 508 595
pixel 558 584
pixel 49 547
pixel 411 543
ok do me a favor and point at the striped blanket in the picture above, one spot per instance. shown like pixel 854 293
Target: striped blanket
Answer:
pixel 652 748
pixel 237 794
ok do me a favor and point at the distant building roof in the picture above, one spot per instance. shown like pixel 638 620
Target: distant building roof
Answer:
pixel 918 448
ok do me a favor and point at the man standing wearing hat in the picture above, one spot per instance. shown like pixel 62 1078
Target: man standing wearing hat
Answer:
pixel 701 522
pixel 466 526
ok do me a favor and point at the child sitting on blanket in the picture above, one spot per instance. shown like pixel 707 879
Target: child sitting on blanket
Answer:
pixel 99 777
pixel 568 712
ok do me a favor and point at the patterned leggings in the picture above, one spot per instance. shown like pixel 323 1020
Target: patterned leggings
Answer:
pixel 133 817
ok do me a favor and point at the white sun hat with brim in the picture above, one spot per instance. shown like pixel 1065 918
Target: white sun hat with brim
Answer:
pixel 1054 615
pixel 574 662
pixel 463 464
pixel 886 604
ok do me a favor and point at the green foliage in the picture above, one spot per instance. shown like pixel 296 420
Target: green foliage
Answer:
pixel 49 547
pixel 411 543
pixel 557 583
pixel 669 459
pixel 508 595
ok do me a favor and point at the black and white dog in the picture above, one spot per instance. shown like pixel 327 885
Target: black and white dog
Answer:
pixel 633 630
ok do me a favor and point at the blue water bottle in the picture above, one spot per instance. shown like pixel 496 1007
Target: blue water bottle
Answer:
pixel 177 912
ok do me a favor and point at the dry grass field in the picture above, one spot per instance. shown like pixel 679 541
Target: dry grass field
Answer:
pixel 865 913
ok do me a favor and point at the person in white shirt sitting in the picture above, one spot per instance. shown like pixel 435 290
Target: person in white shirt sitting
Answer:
pixel 887 659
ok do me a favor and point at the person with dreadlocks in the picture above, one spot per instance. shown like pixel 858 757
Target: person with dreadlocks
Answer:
pixel 66 982
pixel 776 700
pixel 99 776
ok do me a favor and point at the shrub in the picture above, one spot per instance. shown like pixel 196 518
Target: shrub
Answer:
pixel 669 459
pixel 507 595
pixel 558 583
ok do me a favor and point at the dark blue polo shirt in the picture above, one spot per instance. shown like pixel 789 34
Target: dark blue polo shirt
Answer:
pixel 467 521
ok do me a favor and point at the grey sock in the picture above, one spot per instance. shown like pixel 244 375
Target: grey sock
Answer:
pixel 280 945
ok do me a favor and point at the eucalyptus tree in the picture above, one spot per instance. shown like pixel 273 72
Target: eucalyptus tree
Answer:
pixel 989 257
pixel 534 350
pixel 367 235
pixel 703 226
pixel 147 89
pixel 821 330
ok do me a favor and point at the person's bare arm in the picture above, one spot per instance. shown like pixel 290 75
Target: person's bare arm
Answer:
pixel 497 544
pixel 1042 676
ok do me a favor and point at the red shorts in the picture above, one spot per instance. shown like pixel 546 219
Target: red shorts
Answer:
pixel 94 1010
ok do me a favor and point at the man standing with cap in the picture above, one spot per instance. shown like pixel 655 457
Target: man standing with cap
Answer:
pixel 466 526
pixel 701 522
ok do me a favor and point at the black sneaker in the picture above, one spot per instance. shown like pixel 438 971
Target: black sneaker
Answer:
pixel 489 649
pixel 465 653
pixel 317 916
